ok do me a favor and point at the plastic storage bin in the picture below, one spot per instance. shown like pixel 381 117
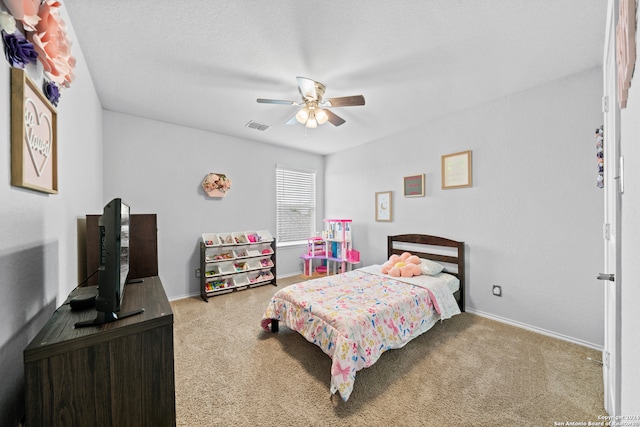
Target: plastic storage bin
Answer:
pixel 240 238
pixel 227 268
pixel 219 254
pixel 210 239
pixel 226 239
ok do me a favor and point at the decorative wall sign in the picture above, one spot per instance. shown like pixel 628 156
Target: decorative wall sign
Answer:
pixel 414 186
pixel 34 145
pixel 456 170
pixel 384 209
pixel 216 185
pixel 625 48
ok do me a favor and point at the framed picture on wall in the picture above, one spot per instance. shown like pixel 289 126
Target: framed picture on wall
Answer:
pixel 384 208
pixel 414 186
pixel 456 170
pixel 34 144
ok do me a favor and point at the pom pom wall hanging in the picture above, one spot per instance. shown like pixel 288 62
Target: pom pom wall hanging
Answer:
pixel 600 155
pixel 216 185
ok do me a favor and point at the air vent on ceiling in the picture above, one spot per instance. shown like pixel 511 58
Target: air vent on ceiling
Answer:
pixel 256 125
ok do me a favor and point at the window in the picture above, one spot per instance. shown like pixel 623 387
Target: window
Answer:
pixel 295 204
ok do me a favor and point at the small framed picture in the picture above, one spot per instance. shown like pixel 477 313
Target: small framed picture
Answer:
pixel 456 170
pixel 414 186
pixel 384 208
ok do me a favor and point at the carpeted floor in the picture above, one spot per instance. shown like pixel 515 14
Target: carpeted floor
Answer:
pixel 466 371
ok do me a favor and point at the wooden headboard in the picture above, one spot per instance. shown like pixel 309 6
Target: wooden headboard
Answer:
pixel 436 249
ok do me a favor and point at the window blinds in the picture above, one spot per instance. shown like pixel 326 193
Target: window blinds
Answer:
pixel 296 205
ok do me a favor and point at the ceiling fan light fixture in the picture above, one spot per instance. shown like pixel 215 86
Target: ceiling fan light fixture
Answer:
pixel 321 116
pixel 302 115
pixel 312 123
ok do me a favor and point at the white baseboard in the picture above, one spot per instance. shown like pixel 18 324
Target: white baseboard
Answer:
pixel 197 294
pixel 534 329
pixel 284 276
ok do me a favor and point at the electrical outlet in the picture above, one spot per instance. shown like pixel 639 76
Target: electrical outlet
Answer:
pixel 497 290
pixel 198 273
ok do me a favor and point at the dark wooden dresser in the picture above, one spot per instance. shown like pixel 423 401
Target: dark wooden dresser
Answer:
pixel 117 374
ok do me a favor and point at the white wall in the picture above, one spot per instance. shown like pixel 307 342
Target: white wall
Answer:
pixel 158 167
pixel 630 253
pixel 532 221
pixel 38 232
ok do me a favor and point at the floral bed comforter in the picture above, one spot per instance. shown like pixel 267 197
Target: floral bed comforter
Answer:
pixel 356 316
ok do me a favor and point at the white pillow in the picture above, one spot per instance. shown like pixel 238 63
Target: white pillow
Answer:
pixel 429 267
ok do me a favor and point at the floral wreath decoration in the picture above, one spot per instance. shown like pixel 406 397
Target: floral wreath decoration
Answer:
pixel 46 41
pixel 216 184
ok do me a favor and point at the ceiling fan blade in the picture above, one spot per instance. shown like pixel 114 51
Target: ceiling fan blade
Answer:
pixel 275 101
pixel 310 89
pixel 291 121
pixel 334 119
pixel 345 101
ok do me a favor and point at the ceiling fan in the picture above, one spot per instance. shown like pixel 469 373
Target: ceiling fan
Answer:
pixel 315 110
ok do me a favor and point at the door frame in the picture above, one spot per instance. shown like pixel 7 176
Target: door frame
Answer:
pixel 611 357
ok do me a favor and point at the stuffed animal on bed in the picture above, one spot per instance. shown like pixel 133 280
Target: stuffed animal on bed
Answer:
pixel 405 265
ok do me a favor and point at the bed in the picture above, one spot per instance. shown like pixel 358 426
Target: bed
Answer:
pixel 354 317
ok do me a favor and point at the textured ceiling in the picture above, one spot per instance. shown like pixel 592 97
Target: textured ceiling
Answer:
pixel 202 64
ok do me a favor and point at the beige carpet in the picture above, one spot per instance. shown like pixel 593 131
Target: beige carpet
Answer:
pixel 466 371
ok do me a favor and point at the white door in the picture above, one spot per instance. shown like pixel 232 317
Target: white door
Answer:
pixel 611 230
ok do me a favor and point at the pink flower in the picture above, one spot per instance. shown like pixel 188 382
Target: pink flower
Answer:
pixel 25 11
pixel 53 47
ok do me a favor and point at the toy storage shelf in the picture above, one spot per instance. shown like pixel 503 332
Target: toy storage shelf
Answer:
pixel 236 261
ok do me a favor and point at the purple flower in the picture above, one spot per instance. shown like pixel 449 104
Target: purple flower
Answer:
pixel 52 93
pixel 18 50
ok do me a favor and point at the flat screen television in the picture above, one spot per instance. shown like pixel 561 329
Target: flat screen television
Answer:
pixel 114 263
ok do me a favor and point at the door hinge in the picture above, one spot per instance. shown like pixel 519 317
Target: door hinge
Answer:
pixel 605 104
pixel 606 231
pixel 605 358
